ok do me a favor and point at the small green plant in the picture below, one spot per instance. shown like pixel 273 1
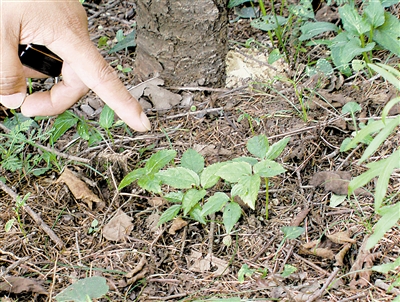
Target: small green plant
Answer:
pixel 191 182
pixel 124 69
pixel 383 168
pixel 352 108
pixel 250 120
pixel 94 226
pixel 19 203
pixel 123 42
pixel 84 290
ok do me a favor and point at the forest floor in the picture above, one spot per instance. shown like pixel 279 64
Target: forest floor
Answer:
pixel 192 263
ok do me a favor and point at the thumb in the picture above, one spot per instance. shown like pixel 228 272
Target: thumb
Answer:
pixel 12 79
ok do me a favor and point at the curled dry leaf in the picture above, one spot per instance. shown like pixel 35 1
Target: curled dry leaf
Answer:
pixel 339 257
pixel 177 224
pixel 341 238
pixel 197 263
pixel 118 227
pixel 79 189
pixel 18 285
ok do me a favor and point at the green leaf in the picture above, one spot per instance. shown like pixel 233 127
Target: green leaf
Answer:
pixel 387 267
pixel 258 146
pixel 92 288
pixel 288 270
pixel 196 214
pixel 388 34
pixel 83 130
pixel 179 178
pixel 336 200
pixel 128 41
pixel 364 178
pixel 274 56
pixel 303 10
pixel 233 3
pixel 390 216
pixel 387 3
pixel 215 203
pixel 9 225
pixel 324 66
pixel 352 21
pixel 380 138
pixel 191 198
pixel 159 160
pixel 234 171
pixel 292 232
pixel 174 196
pixel 150 183
pixel 62 124
pixel 106 119
pixel 389 106
pixel 351 107
pixel 276 149
pixel 389 74
pixel 364 133
pixel 247 159
pixel 268 22
pixel 131 177
pixel 268 168
pixel 232 213
pixel 169 214
pixel 244 271
pixel 247 189
pixel 209 177
pixel 192 160
pixel 312 29
pixel 374 13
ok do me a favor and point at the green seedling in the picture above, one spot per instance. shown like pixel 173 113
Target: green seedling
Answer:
pixel 352 108
pixel 84 290
pixel 94 226
pixel 124 41
pixel 19 203
pixel 124 69
pixel 250 120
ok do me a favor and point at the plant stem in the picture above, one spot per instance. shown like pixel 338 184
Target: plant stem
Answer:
pixel 266 198
pixel 262 7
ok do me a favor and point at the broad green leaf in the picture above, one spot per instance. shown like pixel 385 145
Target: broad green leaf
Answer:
pixel 158 160
pixel 276 149
pixel 106 119
pixel 94 138
pixel 274 56
pixel 196 214
pixel 390 75
pixel 380 138
pixel 391 163
pixel 374 13
pixel 387 3
pixel 84 289
pixel 292 232
pixel 364 178
pixel 9 225
pixel 179 178
pixel 131 177
pixel 358 65
pixel 288 270
pixel 389 106
pixel 192 160
pixel 128 41
pixel 233 3
pixel 303 10
pixel 390 216
pixel 174 196
pixel 215 203
pixel 268 168
pixel 351 107
pixel 150 183
pixel 247 189
pixel 324 66
pixel 234 171
pixel 258 146
pixel 269 22
pixel 83 130
pixel 244 271
pixel 352 21
pixel 336 200
pixel 209 177
pixel 388 34
pixel 363 133
pixel 191 198
pixel 62 124
pixel 250 160
pixel 169 214
pixel 246 12
pixel 387 267
pixel 312 29
pixel 232 213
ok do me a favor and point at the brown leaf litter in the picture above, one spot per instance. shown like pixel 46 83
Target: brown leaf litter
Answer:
pixel 118 227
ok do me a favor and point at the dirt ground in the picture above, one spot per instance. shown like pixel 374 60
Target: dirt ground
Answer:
pixel 150 263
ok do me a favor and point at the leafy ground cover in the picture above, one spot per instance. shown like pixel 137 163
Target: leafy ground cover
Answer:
pixel 86 211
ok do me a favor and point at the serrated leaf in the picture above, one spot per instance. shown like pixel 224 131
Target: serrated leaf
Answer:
pixel 388 34
pixel 179 178
pixel 159 160
pixel 234 171
pixel 106 119
pixel 191 198
pixel 268 168
pixel 150 183
pixel 352 21
pixel 292 232
pixel 84 289
pixel 276 149
pixel 196 214
pixel 374 13
pixel 215 203
pixel 209 177
pixel 174 196
pixel 258 146
pixel 192 160
pixel 247 189
pixel 128 41
pixel 390 216
pixel 269 22
pixel 62 124
pixel 169 214
pixel 232 214
pixel 312 29
pixel 131 177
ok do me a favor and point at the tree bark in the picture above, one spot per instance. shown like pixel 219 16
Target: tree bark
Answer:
pixel 183 41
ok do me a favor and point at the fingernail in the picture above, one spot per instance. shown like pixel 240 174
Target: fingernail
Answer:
pixel 12 101
pixel 145 121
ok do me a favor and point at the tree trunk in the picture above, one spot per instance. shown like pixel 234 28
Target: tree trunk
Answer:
pixel 184 41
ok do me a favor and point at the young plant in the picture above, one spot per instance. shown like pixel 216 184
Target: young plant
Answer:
pixel 192 181
pixel 84 290
pixel 19 203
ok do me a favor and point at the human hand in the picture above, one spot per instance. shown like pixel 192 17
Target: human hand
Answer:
pixel 60 25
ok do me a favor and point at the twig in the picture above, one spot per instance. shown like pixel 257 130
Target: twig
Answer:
pixel 14 265
pixel 316 267
pixel 34 216
pixel 355 297
pixel 211 234
pixel 328 281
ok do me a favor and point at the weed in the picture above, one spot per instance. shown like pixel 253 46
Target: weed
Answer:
pixel 19 203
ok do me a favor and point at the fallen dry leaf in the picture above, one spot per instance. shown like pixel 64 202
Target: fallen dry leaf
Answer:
pixel 156 201
pixel 118 227
pixel 177 224
pixel 199 264
pixel 152 222
pixel 339 257
pixel 18 285
pixel 341 238
pixel 79 189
